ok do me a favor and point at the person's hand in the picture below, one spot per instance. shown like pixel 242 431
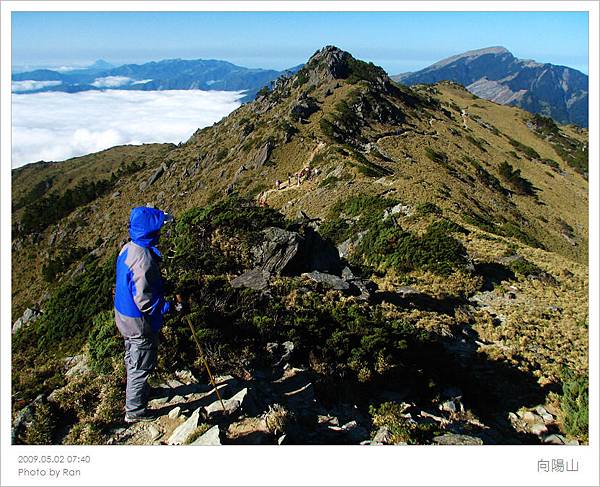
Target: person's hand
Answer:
pixel 166 307
pixel 178 307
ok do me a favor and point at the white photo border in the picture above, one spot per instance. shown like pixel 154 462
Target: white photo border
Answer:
pixel 301 465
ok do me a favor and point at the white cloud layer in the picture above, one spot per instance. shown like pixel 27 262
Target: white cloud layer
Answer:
pixel 111 81
pixel 30 85
pixel 57 126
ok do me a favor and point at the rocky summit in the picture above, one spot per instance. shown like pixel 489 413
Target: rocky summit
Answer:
pixel 363 262
pixel 495 74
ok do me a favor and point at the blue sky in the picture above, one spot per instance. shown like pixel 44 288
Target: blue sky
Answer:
pixel 397 41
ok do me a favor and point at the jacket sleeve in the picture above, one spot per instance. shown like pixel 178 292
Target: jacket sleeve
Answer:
pixel 147 286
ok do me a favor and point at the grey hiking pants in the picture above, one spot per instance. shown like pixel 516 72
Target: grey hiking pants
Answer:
pixel 140 360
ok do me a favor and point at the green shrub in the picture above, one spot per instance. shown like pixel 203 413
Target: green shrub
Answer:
pixel 428 208
pixel 476 142
pixel 388 246
pixel 575 405
pixel 301 77
pixel 60 263
pixel 104 342
pixel 360 70
pixel 34 194
pixel 264 91
pixel 69 311
pixel 485 177
pixel 447 226
pixel 217 239
pixel 221 154
pixel 337 230
pixel 529 152
pixel 436 156
pixel 41 429
pixel 403 430
pixel 42 213
pixel 524 267
pixel 515 180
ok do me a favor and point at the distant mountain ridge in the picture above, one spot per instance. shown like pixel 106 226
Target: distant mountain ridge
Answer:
pixel 169 74
pixel 495 74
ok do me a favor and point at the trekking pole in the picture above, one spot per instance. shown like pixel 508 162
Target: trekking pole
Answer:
pixel 203 357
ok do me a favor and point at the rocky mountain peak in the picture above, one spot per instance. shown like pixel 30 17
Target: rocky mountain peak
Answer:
pixel 331 60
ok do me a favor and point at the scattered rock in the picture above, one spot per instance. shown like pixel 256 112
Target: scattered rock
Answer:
pixel 538 429
pixel 186 376
pixel 383 436
pixel 231 405
pixel 211 438
pixel 29 316
pixel 77 365
pixel 184 430
pixel 249 431
pixel 531 418
pixel 303 396
pixel 452 406
pixel 154 177
pixel 544 414
pixel 328 280
pixel 347 246
pixel 364 288
pixel 257 279
pixel 405 210
pixel 405 291
pixel 555 440
pixel 455 439
pixel 158 402
pixel 154 433
pixel 510 295
pixel 347 274
pixel 175 412
pixel 176 399
pixel 304 108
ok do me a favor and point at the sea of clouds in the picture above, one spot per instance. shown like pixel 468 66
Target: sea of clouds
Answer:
pixel 55 126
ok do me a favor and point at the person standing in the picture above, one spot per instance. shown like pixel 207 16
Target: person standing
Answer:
pixel 140 305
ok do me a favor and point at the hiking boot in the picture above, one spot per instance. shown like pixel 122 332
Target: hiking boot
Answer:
pixel 139 418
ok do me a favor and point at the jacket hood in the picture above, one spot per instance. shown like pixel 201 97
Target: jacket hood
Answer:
pixel 145 224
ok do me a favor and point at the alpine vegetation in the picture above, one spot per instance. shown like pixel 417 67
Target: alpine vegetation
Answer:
pixel 350 261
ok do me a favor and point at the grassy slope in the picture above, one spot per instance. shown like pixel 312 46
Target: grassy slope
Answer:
pixel 416 179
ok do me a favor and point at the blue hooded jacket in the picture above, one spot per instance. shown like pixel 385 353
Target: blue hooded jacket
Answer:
pixel 139 294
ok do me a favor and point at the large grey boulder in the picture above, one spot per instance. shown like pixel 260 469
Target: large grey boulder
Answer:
pixel 231 405
pixel 211 438
pixel 263 154
pixel 256 279
pixel 154 177
pixel 328 280
pixel 277 249
pixel 184 430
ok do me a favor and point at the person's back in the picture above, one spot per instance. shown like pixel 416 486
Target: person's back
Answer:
pixel 138 290
pixel 139 305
